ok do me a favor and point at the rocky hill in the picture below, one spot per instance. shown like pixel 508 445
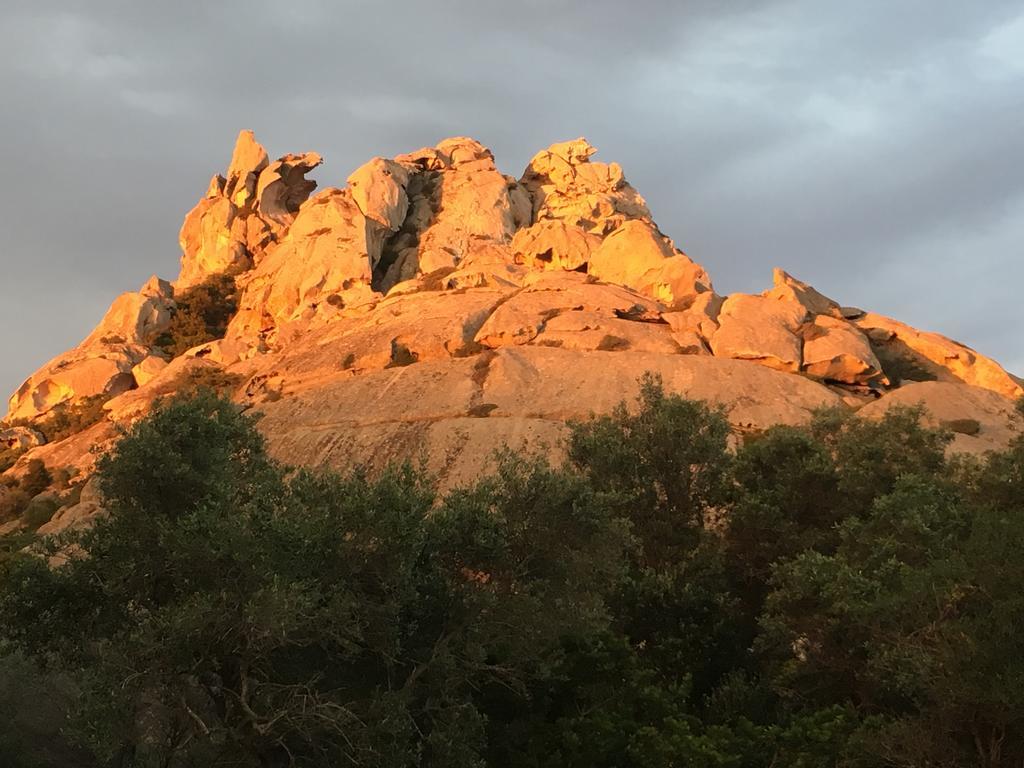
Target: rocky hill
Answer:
pixel 436 307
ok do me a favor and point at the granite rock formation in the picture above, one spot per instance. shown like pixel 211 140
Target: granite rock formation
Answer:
pixel 434 306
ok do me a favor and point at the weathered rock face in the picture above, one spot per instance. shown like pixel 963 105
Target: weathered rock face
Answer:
pixel 563 184
pixel 244 212
pixel 102 364
pixel 20 438
pixel 436 306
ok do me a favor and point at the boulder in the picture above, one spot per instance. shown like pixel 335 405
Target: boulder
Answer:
pixel 323 261
pixel 248 159
pixel 596 331
pixel 553 244
pixel 760 329
pixel 20 438
pixel 456 413
pixel 699 317
pixel 835 350
pixel 148 369
pixel 242 214
pixel 565 185
pixel 76 375
pixel 135 318
pixel 281 188
pixel 909 354
pixel 638 256
pixel 210 242
pixel 378 189
pixel 465 205
pixel 520 318
pixel 979 419
pixel 788 289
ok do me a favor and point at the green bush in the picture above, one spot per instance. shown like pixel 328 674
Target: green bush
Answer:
pixel 18 493
pixel 13 502
pixel 36 479
pixel 8 457
pixel 68 420
pixel 38 512
pixel 202 314
pixel 208 379
pixel 837 595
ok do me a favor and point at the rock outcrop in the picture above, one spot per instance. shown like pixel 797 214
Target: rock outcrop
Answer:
pixel 435 305
pixel 244 212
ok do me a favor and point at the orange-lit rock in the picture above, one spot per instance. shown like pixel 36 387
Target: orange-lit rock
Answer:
pixel 553 244
pixel 923 348
pixel 835 350
pixel 639 256
pixel 760 329
pixel 438 306
pixel 565 185
pixel 979 419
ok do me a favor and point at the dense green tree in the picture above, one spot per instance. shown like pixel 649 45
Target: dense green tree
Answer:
pixel 228 610
pixel 838 595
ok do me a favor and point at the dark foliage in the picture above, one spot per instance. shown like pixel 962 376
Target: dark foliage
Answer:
pixel 837 595
pixel 202 314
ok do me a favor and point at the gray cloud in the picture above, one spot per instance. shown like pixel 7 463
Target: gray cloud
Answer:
pixel 870 149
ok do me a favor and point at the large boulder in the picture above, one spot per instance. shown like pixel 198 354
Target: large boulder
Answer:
pixel 565 185
pixel 456 413
pixel 909 354
pixel 282 187
pixel 639 256
pixel 74 376
pixel 522 317
pixel 554 244
pixel 102 364
pixel 787 288
pixel 762 329
pixel 136 318
pixel 979 419
pixel 458 202
pixel 321 265
pixel 248 159
pixel 835 350
pixel 378 188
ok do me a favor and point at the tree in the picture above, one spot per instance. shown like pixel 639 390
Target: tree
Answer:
pixel 666 464
pixel 230 611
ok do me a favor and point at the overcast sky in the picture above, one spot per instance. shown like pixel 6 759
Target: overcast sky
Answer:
pixel 872 148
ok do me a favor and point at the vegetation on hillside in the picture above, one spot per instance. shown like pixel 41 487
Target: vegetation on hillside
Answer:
pixel 202 314
pixel 836 595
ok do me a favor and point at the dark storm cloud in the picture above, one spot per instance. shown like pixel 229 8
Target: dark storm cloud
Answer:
pixel 872 148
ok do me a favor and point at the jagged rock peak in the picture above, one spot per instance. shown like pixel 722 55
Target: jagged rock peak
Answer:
pixel 244 211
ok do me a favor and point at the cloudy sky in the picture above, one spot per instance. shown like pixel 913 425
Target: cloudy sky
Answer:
pixel 873 148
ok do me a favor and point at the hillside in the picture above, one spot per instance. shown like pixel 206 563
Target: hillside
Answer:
pixel 434 307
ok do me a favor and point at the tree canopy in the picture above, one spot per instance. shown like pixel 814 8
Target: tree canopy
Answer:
pixel 840 594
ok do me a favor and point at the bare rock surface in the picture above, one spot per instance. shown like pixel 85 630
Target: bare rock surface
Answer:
pixel 980 419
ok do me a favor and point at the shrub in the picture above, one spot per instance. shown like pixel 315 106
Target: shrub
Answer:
pixel 202 314
pixel 831 595
pixel 36 478
pixel 208 379
pixel 8 457
pixel 71 418
pixel 13 502
pixel 17 495
pixel 39 511
pixel 963 426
